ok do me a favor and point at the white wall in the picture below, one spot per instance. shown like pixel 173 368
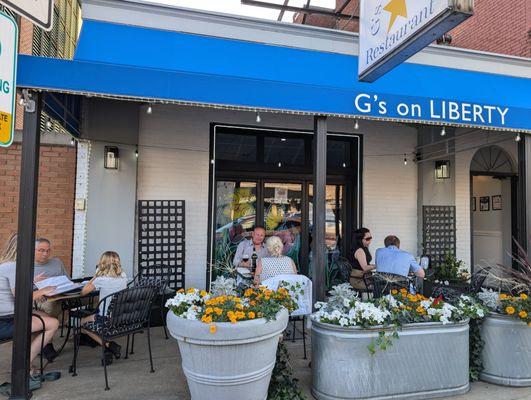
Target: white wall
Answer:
pixel 174 164
pixel 111 208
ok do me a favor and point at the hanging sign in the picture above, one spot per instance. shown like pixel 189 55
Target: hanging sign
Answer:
pixel 8 70
pixel 37 11
pixel 391 31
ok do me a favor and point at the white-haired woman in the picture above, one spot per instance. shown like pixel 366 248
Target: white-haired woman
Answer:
pixel 275 264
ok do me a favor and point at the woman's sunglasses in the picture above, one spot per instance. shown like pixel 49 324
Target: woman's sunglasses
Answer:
pixel 368 238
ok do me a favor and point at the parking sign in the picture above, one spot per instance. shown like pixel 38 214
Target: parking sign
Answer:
pixel 8 72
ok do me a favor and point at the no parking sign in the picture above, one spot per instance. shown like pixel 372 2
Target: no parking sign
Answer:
pixel 8 74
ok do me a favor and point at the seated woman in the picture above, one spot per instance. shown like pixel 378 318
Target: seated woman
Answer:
pixel 275 264
pixel 361 257
pixel 108 279
pixel 7 306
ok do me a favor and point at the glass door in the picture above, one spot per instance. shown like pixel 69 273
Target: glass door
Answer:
pixel 283 204
pixel 235 216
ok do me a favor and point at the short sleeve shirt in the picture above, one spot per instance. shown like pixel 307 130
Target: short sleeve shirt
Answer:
pixel 109 285
pixel 54 267
pixel 7 284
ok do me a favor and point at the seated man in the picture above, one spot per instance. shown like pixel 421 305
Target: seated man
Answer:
pixel 395 261
pixel 246 248
pixel 47 267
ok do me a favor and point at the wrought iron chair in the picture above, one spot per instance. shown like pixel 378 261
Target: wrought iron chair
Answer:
pixel 451 293
pixel 382 283
pixel 126 312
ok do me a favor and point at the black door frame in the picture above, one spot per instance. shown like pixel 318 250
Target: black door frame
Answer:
pixel 352 203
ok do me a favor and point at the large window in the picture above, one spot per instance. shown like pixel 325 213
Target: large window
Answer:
pixel 265 177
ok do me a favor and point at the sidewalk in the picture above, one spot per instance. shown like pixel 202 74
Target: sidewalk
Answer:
pixel 130 379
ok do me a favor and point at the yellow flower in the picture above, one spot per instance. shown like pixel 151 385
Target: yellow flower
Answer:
pixel 180 291
pixel 394 291
pixel 206 319
pixel 510 310
pixel 239 306
pixel 218 311
pixel 212 328
pixel 190 291
pixel 523 296
pixel 209 310
pixel 203 293
pixel 251 315
pixel 522 314
pixel 503 296
pixel 421 310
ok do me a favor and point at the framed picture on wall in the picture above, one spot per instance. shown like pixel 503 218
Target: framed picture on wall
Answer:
pixel 497 202
pixel 473 204
pixel 484 203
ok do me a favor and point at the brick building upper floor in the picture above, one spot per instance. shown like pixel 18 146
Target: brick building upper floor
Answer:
pixel 497 26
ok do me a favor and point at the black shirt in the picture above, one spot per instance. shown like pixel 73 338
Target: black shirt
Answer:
pixel 356 263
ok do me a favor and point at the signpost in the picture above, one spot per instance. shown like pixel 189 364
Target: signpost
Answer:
pixel 391 31
pixel 8 71
pixel 40 12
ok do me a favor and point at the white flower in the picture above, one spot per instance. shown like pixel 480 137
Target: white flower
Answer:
pixel 446 283
pixel 343 321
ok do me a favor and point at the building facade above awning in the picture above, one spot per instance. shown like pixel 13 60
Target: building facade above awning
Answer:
pixel 147 64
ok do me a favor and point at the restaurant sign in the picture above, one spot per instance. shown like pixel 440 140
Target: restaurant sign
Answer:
pixel 440 111
pixel 8 68
pixel 391 31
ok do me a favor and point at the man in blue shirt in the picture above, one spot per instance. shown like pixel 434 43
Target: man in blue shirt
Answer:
pixel 395 261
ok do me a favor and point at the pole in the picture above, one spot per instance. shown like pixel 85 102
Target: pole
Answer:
pixel 27 212
pixel 319 209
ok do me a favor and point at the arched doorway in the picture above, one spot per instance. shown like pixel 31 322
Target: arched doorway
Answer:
pixel 494 182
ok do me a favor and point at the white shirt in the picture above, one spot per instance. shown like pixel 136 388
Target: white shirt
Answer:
pixel 108 285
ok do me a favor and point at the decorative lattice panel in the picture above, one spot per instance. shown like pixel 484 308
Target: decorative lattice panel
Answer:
pixel 438 232
pixel 161 240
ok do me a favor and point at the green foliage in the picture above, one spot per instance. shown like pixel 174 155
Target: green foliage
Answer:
pixel 383 341
pixel 475 349
pixel 451 269
pixel 283 386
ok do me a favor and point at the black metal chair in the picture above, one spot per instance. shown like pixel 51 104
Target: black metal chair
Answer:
pixel 126 312
pixel 452 293
pixel 382 283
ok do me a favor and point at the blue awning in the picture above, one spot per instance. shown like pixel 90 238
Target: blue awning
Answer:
pixel 135 62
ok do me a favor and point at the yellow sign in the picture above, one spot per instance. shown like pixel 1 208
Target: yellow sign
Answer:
pixel 8 77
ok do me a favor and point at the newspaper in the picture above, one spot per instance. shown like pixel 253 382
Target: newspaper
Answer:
pixel 62 284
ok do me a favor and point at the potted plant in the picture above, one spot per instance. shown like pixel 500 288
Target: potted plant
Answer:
pixel 401 346
pixel 228 339
pixel 452 274
pixel 506 333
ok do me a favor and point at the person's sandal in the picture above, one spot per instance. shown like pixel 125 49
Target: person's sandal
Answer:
pixel 115 349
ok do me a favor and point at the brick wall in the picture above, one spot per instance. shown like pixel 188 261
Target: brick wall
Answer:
pixel 55 199
pixel 497 26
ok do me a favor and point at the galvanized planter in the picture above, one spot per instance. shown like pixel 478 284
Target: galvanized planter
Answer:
pixel 507 351
pixel 233 363
pixel 428 360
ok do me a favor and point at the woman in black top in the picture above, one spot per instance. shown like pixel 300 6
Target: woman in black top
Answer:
pixel 361 257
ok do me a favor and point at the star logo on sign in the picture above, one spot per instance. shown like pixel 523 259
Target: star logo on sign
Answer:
pixel 396 8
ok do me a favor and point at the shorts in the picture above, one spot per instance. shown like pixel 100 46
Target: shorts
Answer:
pixel 6 327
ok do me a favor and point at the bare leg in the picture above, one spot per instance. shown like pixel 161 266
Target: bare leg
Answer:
pixel 50 326
pixel 91 318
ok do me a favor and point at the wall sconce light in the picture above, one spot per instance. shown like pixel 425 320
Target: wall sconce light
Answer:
pixel 442 169
pixel 112 157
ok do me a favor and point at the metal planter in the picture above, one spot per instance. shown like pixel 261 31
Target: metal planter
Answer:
pixel 507 351
pixel 233 363
pixel 428 360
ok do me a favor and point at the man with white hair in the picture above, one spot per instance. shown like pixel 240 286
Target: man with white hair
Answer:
pixel 47 267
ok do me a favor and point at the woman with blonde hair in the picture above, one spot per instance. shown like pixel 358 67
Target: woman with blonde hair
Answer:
pixel 108 279
pixel 276 264
pixel 8 259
